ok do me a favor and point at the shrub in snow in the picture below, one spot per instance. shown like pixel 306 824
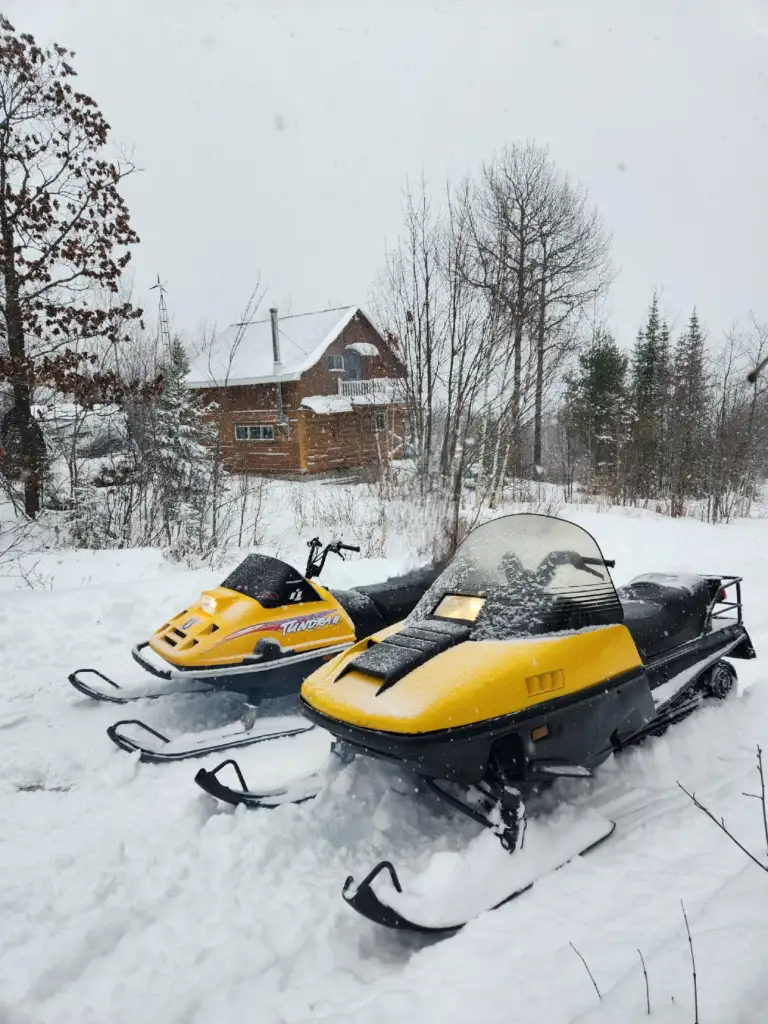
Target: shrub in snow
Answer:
pixel 159 493
pixel 88 519
pixel 181 456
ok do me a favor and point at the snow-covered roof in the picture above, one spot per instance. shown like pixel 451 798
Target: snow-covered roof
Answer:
pixel 327 404
pixel 384 394
pixel 363 348
pixel 303 340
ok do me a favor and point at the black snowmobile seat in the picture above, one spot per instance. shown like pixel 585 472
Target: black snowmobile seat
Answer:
pixel 378 605
pixel 366 617
pixel 397 597
pixel 664 611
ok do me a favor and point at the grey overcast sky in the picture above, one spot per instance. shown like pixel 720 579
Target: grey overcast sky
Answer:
pixel 276 135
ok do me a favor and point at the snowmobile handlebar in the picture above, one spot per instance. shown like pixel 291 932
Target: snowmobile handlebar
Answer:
pixel 609 563
pixel 546 569
pixel 316 559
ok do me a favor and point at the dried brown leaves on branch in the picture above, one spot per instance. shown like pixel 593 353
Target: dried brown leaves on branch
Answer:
pixel 65 233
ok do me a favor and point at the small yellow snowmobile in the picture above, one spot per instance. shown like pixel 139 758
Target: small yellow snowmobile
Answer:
pixel 260 633
pixel 520 664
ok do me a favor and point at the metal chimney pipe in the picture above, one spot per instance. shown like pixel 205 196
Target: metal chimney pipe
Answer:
pixel 277 366
pixel 275 337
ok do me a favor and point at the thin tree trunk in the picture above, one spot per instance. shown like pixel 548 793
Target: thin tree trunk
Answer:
pixel 483 443
pixel 31 444
pixel 541 329
pixel 498 487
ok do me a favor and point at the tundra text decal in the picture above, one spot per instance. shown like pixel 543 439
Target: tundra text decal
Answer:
pixel 310 622
pixel 288 627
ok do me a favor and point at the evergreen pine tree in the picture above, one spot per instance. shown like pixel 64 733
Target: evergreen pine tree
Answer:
pixel 663 406
pixel 88 519
pixel 182 455
pixel 690 406
pixel 650 395
pixel 599 403
pixel 644 362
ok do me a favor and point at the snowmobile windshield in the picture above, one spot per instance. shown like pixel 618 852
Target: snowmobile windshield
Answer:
pixel 524 575
pixel 270 581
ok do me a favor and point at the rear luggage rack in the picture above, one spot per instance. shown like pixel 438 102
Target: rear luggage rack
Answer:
pixel 725 583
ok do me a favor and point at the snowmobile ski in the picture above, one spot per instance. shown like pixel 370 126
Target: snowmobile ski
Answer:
pixel 296 793
pixel 278 677
pixel 123 695
pixel 163 749
pixel 365 901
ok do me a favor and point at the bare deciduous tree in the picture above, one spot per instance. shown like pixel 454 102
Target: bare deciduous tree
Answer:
pixel 411 308
pixel 444 329
pixel 541 253
pixel 505 210
pixel 572 271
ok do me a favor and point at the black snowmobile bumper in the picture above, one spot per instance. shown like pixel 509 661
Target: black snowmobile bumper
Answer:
pixel 160 673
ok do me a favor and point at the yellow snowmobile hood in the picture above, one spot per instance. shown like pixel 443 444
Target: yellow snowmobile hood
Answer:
pixel 223 628
pixel 473 681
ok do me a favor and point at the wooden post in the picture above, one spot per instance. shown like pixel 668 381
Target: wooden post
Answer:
pixel 302 442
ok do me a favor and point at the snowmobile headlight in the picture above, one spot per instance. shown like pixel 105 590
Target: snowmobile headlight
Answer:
pixel 459 606
pixel 208 604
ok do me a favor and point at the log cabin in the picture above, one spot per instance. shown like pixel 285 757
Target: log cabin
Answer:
pixel 315 393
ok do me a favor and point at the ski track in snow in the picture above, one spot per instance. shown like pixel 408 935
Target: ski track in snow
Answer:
pixel 128 895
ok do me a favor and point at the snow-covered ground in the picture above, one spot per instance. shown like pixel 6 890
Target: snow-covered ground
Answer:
pixel 128 895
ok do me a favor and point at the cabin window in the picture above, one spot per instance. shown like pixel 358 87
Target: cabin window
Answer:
pixel 262 432
pixel 381 420
pixel 354 364
pixel 335 362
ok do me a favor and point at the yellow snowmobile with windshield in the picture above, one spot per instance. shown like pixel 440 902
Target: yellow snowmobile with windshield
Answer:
pixel 260 633
pixel 521 663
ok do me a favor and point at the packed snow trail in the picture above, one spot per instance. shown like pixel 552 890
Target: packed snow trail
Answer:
pixel 129 895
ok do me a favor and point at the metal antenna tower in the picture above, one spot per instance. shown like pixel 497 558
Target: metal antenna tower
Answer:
pixel 164 330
